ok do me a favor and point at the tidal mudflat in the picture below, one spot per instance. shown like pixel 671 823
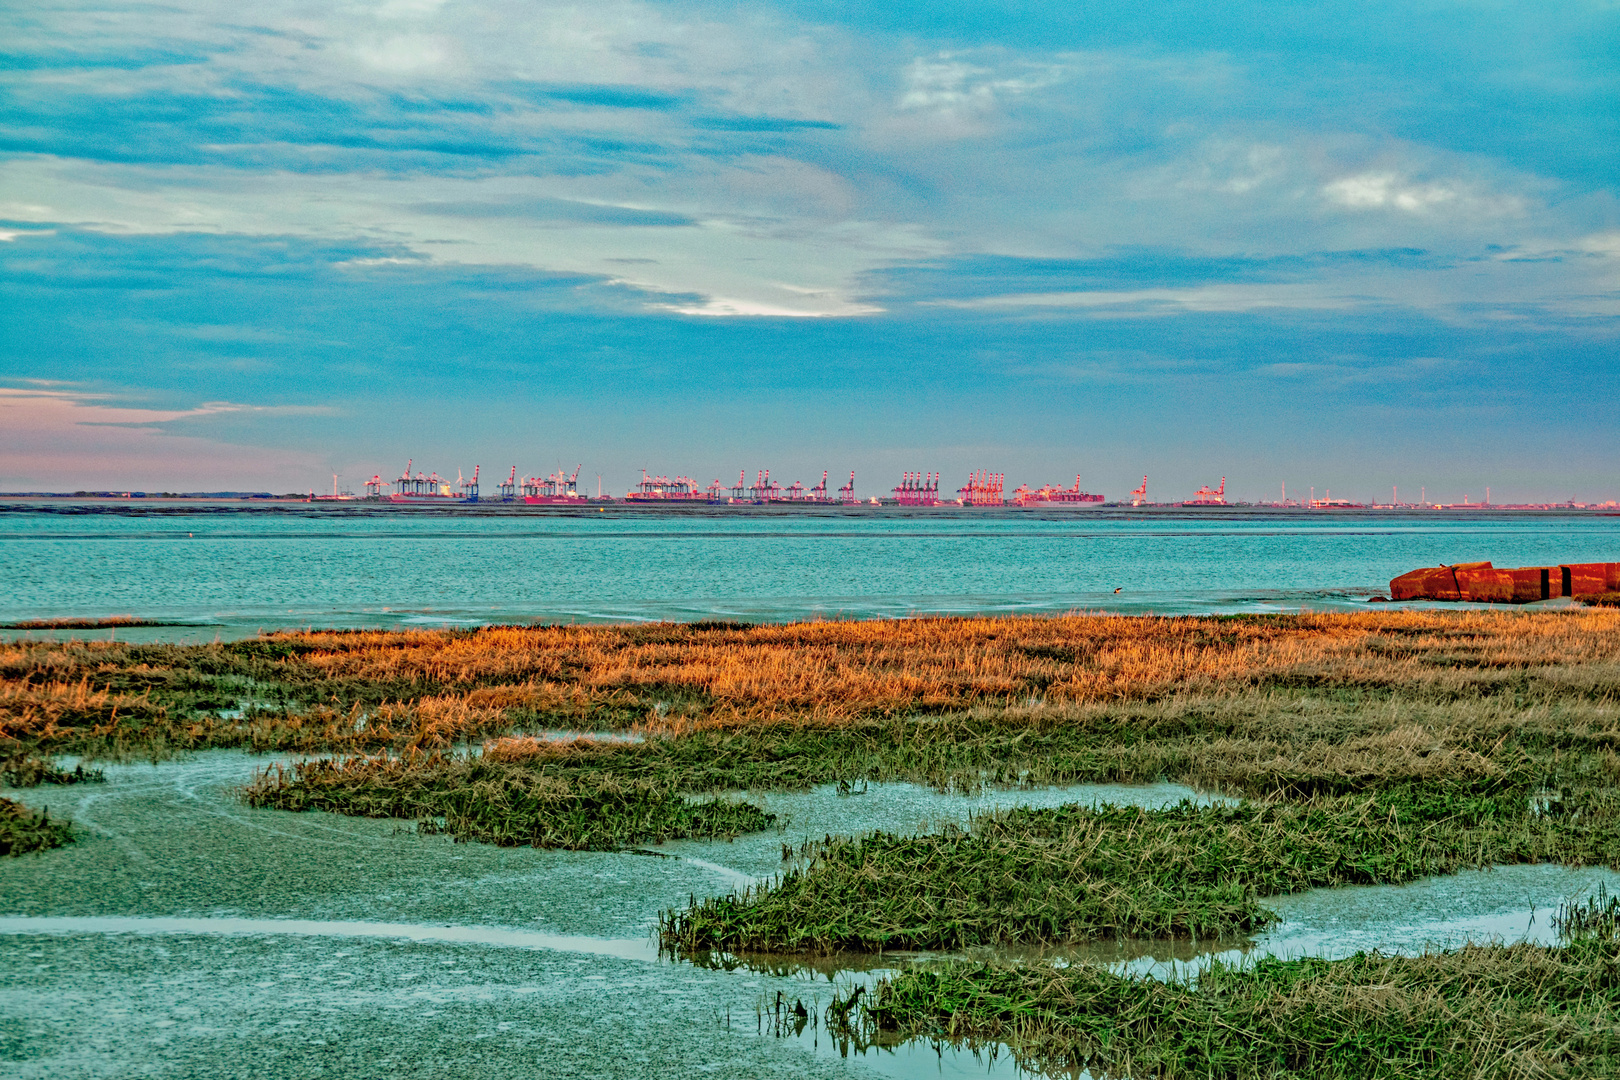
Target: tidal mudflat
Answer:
pixel 1053 843
pixel 184 933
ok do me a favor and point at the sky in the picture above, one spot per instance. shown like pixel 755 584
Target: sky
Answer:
pixel 1346 247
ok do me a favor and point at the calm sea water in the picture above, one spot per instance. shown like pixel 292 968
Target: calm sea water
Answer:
pixel 236 573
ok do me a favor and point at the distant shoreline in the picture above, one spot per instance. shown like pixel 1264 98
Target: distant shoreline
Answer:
pixel 152 506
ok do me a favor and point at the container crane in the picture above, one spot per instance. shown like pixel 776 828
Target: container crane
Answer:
pixel 983 489
pixel 916 489
pixel 1208 496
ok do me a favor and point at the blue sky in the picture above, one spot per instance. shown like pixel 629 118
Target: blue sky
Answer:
pixel 1345 246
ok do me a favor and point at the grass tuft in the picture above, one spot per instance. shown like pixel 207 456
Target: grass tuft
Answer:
pixel 510 806
pixel 105 623
pixel 1596 916
pixel 1482 1011
pixel 26 771
pixel 23 831
pixel 1078 873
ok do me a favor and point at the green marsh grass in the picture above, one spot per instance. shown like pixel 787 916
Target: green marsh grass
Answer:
pixel 111 622
pixel 498 804
pixel 1281 746
pixel 1076 873
pixel 23 831
pixel 1596 916
pixel 28 771
pixel 1290 743
pixel 1483 1011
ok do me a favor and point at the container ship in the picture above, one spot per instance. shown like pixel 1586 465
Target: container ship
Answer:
pixel 558 489
pixel 763 491
pixel 1049 496
pixel 988 489
pixel 1204 496
pixel 432 490
pixel 665 489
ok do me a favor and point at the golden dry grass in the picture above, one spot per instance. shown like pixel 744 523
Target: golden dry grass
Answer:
pixel 830 671
pixel 429 688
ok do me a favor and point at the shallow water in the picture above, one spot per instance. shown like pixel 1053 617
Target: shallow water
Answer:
pixel 232 574
pixel 897 808
pixel 190 935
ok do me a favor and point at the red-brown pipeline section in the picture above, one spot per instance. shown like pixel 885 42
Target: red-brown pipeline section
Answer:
pixel 1480 581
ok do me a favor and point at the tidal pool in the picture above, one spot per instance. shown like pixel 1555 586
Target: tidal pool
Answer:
pixel 187 934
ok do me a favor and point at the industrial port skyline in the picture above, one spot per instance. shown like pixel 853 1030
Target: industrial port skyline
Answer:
pixel 981 489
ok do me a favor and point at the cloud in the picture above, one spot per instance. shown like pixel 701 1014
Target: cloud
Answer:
pixel 404 53
pixel 1550 289
pixel 1211 298
pixel 952 82
pixel 1369 190
pixel 986 276
pixel 1605 244
pixel 408 9
pixel 736 152
pixel 558 210
pixel 120 58
pixel 59 439
pixel 600 96
pixel 762 124
pixel 1386 190
pixel 726 307
pixel 554 370
pixel 220 408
